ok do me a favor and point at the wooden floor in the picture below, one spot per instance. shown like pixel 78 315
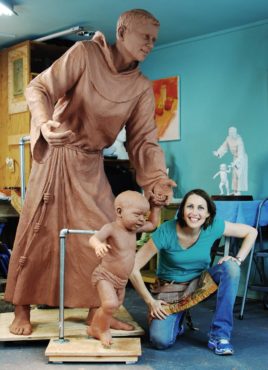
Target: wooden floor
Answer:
pixel 46 324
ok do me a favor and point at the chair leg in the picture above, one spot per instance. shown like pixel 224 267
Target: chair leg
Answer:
pixel 246 284
pixel 3 267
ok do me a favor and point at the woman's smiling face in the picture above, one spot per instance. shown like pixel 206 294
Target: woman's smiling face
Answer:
pixel 195 211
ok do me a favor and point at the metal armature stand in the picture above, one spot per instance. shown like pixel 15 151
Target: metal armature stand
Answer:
pixel 63 234
pixel 23 140
pixel 86 349
pixel 80 349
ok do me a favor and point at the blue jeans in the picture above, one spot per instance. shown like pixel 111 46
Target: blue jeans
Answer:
pixel 163 333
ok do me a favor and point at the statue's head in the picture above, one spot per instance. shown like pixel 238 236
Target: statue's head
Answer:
pixel 232 132
pixel 129 18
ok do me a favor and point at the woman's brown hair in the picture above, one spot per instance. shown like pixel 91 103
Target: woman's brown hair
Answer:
pixel 210 204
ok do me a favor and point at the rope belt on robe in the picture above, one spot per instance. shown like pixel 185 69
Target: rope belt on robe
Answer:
pixel 46 198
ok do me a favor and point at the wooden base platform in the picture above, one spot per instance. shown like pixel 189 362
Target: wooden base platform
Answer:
pixel 91 350
pixel 46 324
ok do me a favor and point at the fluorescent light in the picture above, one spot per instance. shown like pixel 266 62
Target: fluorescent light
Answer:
pixel 74 30
pixel 6 8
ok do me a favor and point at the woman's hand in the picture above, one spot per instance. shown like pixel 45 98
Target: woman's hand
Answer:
pixel 227 258
pixel 55 138
pixel 156 309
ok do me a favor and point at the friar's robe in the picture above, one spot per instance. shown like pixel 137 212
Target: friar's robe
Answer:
pixel 67 187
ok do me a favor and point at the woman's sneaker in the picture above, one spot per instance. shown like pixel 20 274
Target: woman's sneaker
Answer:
pixel 220 346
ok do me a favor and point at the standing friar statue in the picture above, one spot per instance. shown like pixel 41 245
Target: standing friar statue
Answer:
pixel 234 143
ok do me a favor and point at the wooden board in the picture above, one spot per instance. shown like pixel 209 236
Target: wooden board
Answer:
pixel 46 324
pixel 91 350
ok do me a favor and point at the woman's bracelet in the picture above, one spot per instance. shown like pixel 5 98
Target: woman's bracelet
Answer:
pixel 238 260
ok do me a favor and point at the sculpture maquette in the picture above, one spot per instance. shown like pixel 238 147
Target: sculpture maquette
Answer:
pixel 224 182
pixel 234 143
pixel 118 148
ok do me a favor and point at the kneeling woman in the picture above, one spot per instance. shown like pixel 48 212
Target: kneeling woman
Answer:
pixel 184 248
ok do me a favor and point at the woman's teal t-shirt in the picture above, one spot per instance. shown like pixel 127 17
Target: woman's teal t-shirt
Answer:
pixel 181 265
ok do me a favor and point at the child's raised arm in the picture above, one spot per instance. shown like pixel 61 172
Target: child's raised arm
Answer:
pixel 153 219
pixel 216 174
pixel 98 241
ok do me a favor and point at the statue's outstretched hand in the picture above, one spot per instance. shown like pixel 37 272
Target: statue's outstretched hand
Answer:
pixel 163 192
pixel 55 138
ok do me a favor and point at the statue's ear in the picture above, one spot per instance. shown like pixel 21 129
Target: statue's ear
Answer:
pixel 118 211
pixel 121 32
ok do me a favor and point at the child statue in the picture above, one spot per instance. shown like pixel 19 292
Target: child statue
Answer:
pixel 224 182
pixel 115 244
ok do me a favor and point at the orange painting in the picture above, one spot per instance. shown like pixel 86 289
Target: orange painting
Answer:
pixel 167 104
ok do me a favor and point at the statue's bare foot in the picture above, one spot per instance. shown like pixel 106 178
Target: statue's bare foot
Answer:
pixel 115 323
pixel 21 324
pixel 121 325
pixel 90 315
pixel 105 336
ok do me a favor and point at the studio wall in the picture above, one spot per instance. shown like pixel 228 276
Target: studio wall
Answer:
pixel 224 82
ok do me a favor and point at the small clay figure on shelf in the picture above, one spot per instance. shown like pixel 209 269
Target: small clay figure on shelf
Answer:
pixel 224 182
pixel 115 244
pixel 234 143
pixel 118 148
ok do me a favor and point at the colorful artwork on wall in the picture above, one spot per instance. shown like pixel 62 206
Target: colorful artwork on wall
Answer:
pixel 167 108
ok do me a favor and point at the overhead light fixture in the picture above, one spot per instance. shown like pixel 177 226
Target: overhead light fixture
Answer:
pixel 7 8
pixel 80 31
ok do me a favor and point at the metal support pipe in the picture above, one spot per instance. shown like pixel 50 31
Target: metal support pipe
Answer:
pixel 22 142
pixel 63 234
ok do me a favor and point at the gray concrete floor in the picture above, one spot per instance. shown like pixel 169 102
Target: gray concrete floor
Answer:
pixel 250 340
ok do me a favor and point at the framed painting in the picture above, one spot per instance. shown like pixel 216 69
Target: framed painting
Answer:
pixel 18 76
pixel 167 108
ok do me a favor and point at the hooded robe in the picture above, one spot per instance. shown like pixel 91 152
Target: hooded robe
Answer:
pixel 68 188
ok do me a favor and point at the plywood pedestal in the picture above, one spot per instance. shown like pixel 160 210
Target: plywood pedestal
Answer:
pixel 79 347
pixel 91 350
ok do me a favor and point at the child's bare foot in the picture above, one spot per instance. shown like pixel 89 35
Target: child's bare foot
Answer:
pixel 21 324
pixel 115 323
pixel 105 336
pixel 121 325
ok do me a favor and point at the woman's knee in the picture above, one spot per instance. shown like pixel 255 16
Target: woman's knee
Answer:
pixel 231 269
pixel 160 341
pixel 163 333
